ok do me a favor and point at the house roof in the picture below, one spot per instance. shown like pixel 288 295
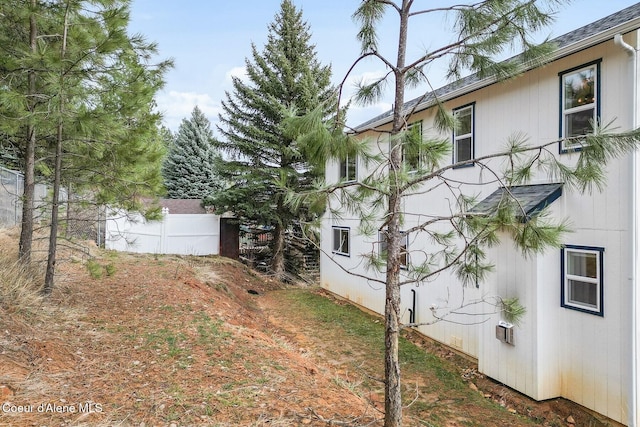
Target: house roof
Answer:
pixel 530 198
pixel 590 35
pixel 183 206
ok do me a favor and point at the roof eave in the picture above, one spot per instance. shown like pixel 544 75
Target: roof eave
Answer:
pixel 567 50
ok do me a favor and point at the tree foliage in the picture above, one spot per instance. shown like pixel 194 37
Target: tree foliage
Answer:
pixel 284 78
pixel 83 96
pixel 457 237
pixel 189 170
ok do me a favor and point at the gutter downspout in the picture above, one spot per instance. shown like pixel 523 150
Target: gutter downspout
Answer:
pixel 635 227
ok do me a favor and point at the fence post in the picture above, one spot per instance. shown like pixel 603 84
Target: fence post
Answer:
pixel 163 230
pixel 17 212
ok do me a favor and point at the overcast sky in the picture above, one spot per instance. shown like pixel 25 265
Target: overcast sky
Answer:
pixel 210 39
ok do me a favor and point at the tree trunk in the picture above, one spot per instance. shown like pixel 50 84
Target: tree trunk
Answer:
pixel 57 176
pixel 277 262
pixel 53 233
pixel 393 395
pixel 393 391
pixel 28 195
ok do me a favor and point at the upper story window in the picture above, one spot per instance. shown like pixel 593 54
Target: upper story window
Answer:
pixel 411 155
pixel 463 138
pixel 579 104
pixel 582 278
pixel 349 169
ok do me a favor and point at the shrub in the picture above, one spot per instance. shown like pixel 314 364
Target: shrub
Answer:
pixel 94 268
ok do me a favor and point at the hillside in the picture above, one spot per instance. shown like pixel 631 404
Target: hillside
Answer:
pixel 177 341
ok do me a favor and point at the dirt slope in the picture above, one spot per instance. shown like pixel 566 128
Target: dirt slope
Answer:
pixel 172 341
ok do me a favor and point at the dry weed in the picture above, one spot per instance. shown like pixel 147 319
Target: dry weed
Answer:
pixel 19 288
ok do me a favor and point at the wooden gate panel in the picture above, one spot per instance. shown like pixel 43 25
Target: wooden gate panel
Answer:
pixel 230 238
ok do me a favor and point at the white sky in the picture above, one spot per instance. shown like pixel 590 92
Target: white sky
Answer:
pixel 209 41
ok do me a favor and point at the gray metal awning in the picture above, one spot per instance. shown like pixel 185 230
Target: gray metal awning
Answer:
pixel 530 198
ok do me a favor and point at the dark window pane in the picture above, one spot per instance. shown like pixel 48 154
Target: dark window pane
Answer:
pixel 344 243
pixel 579 123
pixel 463 149
pixel 404 255
pixel 348 169
pixel 336 239
pixel 383 247
pixel 351 169
pixel 583 293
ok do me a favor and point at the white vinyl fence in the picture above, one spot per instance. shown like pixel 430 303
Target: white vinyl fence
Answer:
pixel 180 234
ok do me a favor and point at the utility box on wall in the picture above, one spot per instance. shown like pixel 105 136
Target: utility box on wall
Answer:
pixel 504 332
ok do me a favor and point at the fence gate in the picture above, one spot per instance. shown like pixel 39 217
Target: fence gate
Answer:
pixel 230 238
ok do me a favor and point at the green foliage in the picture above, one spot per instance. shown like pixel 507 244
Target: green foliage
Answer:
pixel 263 160
pixel 487 29
pixel 512 310
pixel 95 85
pixel 110 269
pixel 368 15
pixel 94 268
pixel 189 170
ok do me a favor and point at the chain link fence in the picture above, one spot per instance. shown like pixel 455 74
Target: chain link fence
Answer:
pixel 11 190
pixel 11 187
pixel 79 218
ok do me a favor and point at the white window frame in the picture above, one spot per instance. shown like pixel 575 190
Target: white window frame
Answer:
pixel 566 294
pixel 567 145
pixel 470 135
pixel 337 246
pixel 347 165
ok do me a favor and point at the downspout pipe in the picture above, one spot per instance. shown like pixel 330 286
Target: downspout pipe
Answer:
pixel 635 226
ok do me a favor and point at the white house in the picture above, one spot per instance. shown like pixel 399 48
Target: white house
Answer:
pixel 579 336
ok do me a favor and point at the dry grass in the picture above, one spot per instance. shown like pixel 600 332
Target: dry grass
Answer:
pixel 19 284
pixel 19 288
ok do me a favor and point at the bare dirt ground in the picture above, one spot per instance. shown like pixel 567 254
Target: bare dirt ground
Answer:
pixel 170 341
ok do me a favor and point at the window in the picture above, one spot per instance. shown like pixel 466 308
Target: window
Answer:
pixel 404 252
pixel 411 147
pixel 463 148
pixel 579 104
pixel 582 278
pixel 341 240
pixel 349 169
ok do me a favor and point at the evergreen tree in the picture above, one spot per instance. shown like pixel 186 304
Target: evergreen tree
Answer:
pixel 284 77
pixel 189 169
pixel 20 96
pixel 75 61
pixel 102 103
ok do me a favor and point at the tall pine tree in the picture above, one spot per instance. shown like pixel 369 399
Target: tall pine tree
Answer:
pixel 285 77
pixel 78 91
pixel 189 169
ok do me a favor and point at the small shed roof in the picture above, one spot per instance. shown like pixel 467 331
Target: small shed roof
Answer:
pixel 530 198
pixel 183 206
